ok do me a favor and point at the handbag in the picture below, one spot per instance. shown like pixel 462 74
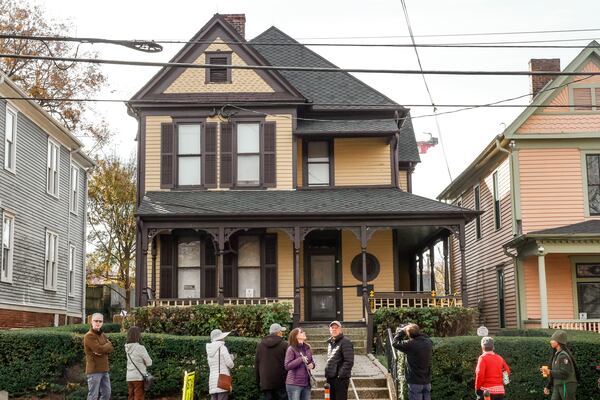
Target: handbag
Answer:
pixel 147 377
pixel 224 380
pixel 505 378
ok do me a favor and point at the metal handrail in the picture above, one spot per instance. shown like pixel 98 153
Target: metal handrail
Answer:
pixel 354 389
pixel 392 359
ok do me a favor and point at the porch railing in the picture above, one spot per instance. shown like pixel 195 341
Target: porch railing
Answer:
pixel 226 301
pixel 412 299
pixel 590 325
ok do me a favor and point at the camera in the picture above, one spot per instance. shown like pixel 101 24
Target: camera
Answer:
pixel 400 332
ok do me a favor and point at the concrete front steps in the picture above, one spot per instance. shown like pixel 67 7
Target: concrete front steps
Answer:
pixel 317 336
pixel 366 388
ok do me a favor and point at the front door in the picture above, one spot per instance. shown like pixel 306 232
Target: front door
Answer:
pixel 323 288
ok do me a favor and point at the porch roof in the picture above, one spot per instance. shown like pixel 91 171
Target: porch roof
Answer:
pixel 382 126
pixel 591 227
pixel 352 202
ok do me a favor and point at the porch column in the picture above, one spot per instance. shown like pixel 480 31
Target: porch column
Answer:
pixel 220 250
pixel 363 252
pixel 446 266
pixel 154 252
pixel 143 278
pixel 296 276
pixel 432 266
pixel 463 265
pixel 420 283
pixel 543 289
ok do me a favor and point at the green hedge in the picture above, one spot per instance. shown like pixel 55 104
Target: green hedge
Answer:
pixel 244 320
pixel 36 362
pixel 440 321
pixel 108 327
pixel 455 358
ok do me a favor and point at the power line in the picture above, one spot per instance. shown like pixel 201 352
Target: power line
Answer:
pixel 146 46
pixel 292 68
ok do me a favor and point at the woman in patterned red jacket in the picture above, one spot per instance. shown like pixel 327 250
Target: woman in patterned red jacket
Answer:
pixel 489 372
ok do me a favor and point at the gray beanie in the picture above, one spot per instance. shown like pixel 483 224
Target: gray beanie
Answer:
pixel 560 337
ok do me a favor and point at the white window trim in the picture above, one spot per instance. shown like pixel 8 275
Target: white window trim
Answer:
pixel 593 88
pixel 478 217
pixel 74 189
pixel 496 197
pixel 11 244
pixel 71 271
pixel 51 142
pixel 48 285
pixel 12 110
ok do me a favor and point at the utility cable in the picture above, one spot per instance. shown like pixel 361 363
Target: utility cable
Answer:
pixel 146 46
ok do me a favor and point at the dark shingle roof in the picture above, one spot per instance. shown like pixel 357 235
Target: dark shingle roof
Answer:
pixel 349 126
pixel 407 144
pixel 591 227
pixel 317 87
pixel 360 201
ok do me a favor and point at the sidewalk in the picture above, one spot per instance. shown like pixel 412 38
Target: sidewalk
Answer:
pixel 363 367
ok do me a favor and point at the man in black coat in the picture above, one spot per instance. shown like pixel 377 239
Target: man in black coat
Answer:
pixel 418 349
pixel 340 360
pixel 270 372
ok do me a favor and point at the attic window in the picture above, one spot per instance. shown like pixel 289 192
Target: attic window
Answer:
pixel 586 98
pixel 218 74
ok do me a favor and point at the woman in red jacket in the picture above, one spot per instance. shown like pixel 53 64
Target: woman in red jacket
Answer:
pixel 489 371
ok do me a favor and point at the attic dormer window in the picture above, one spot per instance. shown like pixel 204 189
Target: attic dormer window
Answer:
pixel 218 74
pixel 586 98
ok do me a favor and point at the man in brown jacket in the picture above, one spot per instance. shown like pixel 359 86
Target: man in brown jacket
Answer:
pixel 97 347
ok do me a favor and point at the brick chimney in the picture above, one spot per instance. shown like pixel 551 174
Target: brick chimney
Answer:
pixel 238 21
pixel 542 64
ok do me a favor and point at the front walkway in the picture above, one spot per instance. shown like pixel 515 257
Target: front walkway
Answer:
pixel 363 367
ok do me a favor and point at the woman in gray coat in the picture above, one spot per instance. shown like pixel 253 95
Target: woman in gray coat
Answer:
pixel 136 353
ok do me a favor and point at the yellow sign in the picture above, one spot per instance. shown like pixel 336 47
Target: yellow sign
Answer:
pixel 188 385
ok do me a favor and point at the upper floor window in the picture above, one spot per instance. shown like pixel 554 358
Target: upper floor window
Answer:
pixel 74 188
pixel 318 163
pixel 189 154
pixel 71 269
pixel 476 194
pixel 248 154
pixel 53 162
pixel 593 183
pixel 586 98
pixel 218 74
pixel 10 139
pixel 497 216
pixel 51 261
pixel 6 258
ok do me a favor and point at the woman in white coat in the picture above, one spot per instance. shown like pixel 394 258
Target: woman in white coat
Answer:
pixel 219 362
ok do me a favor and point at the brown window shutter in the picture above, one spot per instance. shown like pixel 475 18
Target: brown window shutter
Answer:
pixel 167 156
pixel 210 155
pixel 582 98
pixel 268 156
pixel 226 154
pixel 168 278
pixel 270 266
pixel 209 278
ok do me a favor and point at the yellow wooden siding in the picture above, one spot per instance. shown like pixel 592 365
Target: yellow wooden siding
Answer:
pixel 192 80
pixel 153 151
pixel 285 265
pixel 403 179
pixel 559 281
pixel 299 176
pixel 381 247
pixel 283 152
pixel 362 161
pixel 483 256
pixel 551 194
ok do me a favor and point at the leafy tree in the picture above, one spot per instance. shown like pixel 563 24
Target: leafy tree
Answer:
pixel 111 209
pixel 49 79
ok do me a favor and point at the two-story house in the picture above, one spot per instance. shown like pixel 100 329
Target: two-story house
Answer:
pixel 533 256
pixel 259 184
pixel 43 175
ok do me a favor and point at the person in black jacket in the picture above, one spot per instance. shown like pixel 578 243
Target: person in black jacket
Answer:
pixel 418 349
pixel 340 360
pixel 270 371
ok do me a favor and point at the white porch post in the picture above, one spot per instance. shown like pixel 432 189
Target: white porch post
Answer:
pixel 542 283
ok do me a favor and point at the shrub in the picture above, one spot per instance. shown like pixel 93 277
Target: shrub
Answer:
pixel 83 328
pixel 455 358
pixel 243 320
pixel 442 321
pixel 36 362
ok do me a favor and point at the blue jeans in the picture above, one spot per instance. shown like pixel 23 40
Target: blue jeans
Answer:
pixel 298 392
pixel 419 392
pixel 98 386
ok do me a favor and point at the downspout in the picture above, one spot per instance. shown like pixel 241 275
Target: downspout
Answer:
pixel 84 245
pixel 68 281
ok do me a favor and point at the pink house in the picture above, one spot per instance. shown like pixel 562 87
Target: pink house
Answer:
pixel 533 256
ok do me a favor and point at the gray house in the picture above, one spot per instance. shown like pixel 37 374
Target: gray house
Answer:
pixel 43 193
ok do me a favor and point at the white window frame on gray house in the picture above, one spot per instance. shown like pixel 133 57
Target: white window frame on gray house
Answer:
pixel 51 260
pixel 71 283
pixel 53 168
pixel 74 191
pixel 248 154
pixel 8 238
pixel 10 140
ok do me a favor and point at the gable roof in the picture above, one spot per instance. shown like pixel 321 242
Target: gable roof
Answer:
pixel 318 87
pixel 493 152
pixel 407 143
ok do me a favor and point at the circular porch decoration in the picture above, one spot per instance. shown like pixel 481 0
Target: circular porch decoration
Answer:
pixel 372 267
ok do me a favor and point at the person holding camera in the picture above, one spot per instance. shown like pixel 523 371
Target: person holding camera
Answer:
pixel 418 349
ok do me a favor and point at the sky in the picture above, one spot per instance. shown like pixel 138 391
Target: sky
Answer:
pixel 464 134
